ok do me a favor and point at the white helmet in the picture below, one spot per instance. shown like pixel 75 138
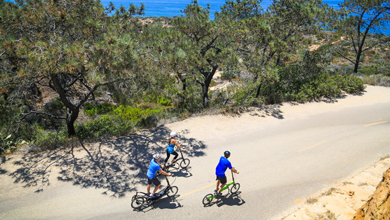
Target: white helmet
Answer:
pixel 157 156
pixel 173 134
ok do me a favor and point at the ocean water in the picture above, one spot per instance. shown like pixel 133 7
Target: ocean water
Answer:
pixel 170 8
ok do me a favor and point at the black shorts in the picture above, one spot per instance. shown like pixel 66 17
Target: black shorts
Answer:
pixel 155 181
pixel 222 179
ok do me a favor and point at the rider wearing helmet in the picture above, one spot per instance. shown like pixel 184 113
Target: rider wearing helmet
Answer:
pixel 223 164
pixel 153 168
pixel 171 148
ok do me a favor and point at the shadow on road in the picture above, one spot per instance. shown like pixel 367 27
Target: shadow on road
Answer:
pixel 229 199
pixel 263 111
pixel 115 165
pixel 164 203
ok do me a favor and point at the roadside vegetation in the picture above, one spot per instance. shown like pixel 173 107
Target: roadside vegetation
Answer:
pixel 78 69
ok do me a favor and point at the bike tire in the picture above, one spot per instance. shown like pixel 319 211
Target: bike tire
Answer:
pixel 185 163
pixel 176 165
pixel 234 189
pixel 172 191
pixel 137 202
pixel 207 199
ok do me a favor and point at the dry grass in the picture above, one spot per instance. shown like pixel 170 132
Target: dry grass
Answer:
pixel 311 200
pixel 327 216
pixel 329 192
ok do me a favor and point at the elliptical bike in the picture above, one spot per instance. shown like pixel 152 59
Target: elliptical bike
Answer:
pixel 181 162
pixel 141 199
pixel 234 187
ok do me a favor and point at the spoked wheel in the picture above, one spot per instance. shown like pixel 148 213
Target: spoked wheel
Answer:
pixel 137 202
pixel 234 189
pixel 184 163
pixel 207 199
pixel 172 191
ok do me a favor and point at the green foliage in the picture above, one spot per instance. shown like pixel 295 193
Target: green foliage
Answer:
pixel 375 69
pixel 377 80
pixel 244 96
pixel 164 101
pixel 361 22
pixel 103 108
pixel 129 113
pixel 106 126
pixel 45 140
pixel 228 75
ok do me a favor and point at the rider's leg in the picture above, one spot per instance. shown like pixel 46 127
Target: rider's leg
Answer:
pixel 148 189
pixel 157 183
pixel 155 189
pixel 168 155
pixel 223 183
pixel 218 181
pixel 176 155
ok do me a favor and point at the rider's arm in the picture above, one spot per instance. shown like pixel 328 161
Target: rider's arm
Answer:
pixel 175 142
pixel 235 171
pixel 165 173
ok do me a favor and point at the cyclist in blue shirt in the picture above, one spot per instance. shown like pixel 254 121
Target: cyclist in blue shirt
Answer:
pixel 154 167
pixel 222 166
pixel 171 148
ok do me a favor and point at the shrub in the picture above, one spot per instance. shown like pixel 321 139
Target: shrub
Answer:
pixel 228 75
pixel 106 126
pixel 47 140
pixel 103 108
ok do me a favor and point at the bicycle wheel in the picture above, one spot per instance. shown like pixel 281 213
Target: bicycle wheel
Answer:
pixel 184 163
pixel 176 164
pixel 137 202
pixel 172 191
pixel 207 199
pixel 234 189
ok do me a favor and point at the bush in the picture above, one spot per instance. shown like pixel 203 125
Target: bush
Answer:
pixel 228 75
pixel 106 126
pixel 103 108
pixel 45 140
pixel 378 80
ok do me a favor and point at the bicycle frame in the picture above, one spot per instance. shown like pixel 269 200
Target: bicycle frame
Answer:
pixel 164 190
pixel 227 185
pixel 181 153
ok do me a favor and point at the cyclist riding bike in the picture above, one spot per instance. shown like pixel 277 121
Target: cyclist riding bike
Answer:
pixel 154 167
pixel 222 166
pixel 171 148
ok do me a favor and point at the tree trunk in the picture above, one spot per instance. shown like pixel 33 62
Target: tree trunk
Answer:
pixel 357 61
pixel 258 90
pixel 71 117
pixel 205 95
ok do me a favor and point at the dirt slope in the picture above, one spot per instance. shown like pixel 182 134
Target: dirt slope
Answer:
pixel 364 196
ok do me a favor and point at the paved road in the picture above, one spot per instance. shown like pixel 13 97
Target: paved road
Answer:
pixel 284 154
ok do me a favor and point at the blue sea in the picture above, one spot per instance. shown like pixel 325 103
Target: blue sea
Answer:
pixel 170 8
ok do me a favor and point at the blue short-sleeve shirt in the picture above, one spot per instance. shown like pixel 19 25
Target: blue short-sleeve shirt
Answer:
pixel 222 166
pixel 153 168
pixel 171 148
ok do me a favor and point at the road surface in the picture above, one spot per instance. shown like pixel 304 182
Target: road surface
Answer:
pixel 284 153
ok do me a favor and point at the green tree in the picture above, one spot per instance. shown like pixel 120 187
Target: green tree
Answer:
pixel 361 22
pixel 207 44
pixel 270 38
pixel 70 47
